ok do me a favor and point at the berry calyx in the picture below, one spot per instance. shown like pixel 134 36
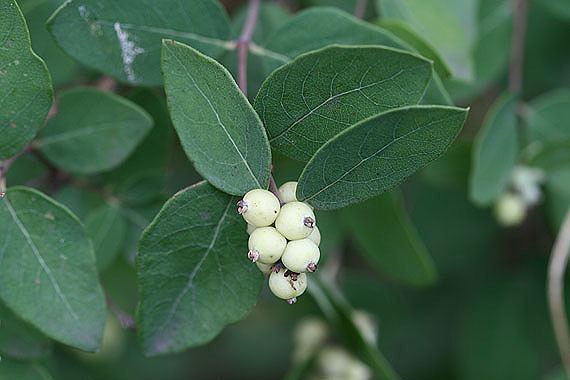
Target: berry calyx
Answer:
pixel 285 287
pixel 288 192
pixel 301 256
pixel 259 207
pixel 266 245
pixel 295 221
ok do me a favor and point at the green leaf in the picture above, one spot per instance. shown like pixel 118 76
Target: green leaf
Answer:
pixel 107 228
pixel 547 117
pixel 559 8
pixel 25 83
pixel 553 156
pixel 495 152
pixel 193 272
pixel 142 177
pixel 122 38
pixel 377 154
pixel 407 34
pixel 47 269
pixel 218 128
pixel 87 140
pixel 389 241
pixel 63 69
pixel 12 370
pixel 492 49
pixel 318 27
pixel 312 99
pixel 18 340
pixel 448 24
pixel 339 313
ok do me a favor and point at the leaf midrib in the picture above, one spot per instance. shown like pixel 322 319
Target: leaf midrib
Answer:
pixel 80 132
pixel 39 258
pixel 192 275
pixel 256 181
pixel 375 154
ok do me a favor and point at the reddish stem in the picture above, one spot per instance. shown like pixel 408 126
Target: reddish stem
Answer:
pixel 244 41
pixel 520 11
pixel 360 9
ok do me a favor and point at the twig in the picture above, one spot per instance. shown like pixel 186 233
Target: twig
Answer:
pixel 556 270
pixel 360 9
pixel 5 166
pixel 520 10
pixel 106 83
pixel 125 319
pixel 244 41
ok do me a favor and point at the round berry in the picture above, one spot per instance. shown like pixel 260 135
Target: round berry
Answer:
pixel 250 228
pixel 288 192
pixel 295 221
pixel 287 285
pixel 315 236
pixel 264 268
pixel 259 207
pixel 510 210
pixel 266 245
pixel 301 256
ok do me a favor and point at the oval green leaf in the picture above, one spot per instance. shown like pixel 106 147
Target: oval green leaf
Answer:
pixel 107 228
pixel 48 275
pixel 218 128
pixel 193 272
pixel 122 38
pixel 25 83
pixel 377 154
pixel 389 241
pixel 94 139
pixel 312 99
pixel 495 152
pixel 448 24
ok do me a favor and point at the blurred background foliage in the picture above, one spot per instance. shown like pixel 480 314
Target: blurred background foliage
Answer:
pixel 481 312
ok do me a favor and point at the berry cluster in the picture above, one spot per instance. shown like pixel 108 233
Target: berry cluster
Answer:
pixel 284 238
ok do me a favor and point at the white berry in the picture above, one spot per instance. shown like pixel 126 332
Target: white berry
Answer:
pixel 301 256
pixel 288 192
pixel 250 228
pixel 266 245
pixel 295 221
pixel 259 207
pixel 287 285
pixel 315 236
pixel 510 210
pixel 264 268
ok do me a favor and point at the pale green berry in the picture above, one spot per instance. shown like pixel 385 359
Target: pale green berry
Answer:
pixel 259 207
pixel 250 228
pixel 510 210
pixel 287 285
pixel 310 334
pixel 295 221
pixel 266 245
pixel 315 236
pixel 301 256
pixel 264 268
pixel 288 192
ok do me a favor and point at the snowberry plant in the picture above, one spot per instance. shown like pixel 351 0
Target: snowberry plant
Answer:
pixel 357 106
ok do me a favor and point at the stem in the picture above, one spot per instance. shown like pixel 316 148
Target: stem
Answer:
pixel 520 10
pixel 360 9
pixel 556 270
pixel 244 41
pixel 5 166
